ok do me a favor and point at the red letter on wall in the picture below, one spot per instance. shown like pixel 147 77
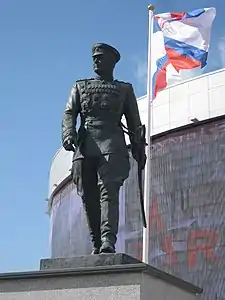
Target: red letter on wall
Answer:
pixel 156 219
pixel 203 241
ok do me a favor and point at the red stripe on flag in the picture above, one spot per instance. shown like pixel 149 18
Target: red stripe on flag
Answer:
pixel 178 16
pixel 181 62
pixel 160 81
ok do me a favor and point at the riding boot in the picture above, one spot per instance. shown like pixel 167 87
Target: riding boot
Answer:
pixel 93 216
pixel 91 203
pixel 109 199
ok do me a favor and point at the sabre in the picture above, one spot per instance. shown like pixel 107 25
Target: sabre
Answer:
pixel 140 170
pixel 141 166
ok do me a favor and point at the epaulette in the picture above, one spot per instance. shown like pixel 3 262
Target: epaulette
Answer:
pixel 85 79
pixel 124 82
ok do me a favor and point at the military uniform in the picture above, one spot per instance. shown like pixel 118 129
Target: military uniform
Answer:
pixel 101 161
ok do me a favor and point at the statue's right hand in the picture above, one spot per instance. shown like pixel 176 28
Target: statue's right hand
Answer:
pixel 69 144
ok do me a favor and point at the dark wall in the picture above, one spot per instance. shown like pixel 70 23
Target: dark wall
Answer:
pixel 187 210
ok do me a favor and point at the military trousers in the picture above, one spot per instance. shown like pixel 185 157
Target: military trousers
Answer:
pixel 99 180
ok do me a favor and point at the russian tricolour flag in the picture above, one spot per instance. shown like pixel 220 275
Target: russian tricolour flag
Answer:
pixel 179 41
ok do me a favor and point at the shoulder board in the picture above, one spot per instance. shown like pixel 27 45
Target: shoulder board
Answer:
pixel 124 82
pixel 85 79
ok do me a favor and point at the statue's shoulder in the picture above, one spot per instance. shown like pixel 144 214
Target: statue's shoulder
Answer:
pixel 81 83
pixel 84 80
pixel 125 84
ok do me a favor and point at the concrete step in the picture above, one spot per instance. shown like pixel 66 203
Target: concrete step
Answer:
pixel 115 277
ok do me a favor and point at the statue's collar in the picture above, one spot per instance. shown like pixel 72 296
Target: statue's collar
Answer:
pixel 111 79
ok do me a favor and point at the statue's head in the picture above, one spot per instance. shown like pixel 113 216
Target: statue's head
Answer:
pixel 105 58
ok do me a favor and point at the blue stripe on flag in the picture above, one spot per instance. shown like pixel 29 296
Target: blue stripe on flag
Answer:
pixel 187 50
pixel 193 14
pixel 156 27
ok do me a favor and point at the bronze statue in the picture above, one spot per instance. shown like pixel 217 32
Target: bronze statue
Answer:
pixel 101 160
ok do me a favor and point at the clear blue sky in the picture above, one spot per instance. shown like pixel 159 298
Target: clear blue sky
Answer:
pixel 45 47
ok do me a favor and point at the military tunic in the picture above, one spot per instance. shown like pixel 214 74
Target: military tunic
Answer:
pixel 101 161
pixel 101 106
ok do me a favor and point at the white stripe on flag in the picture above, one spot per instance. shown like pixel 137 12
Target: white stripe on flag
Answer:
pixel 194 31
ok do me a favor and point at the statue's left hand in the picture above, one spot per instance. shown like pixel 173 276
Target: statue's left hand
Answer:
pixel 69 144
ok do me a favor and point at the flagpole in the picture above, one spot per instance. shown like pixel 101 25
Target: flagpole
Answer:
pixel 145 249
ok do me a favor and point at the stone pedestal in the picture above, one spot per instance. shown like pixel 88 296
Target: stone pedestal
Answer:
pixel 88 261
pixel 99 277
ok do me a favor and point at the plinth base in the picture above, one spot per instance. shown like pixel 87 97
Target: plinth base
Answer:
pixel 88 261
pixel 115 277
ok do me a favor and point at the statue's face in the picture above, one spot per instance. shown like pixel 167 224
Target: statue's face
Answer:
pixel 103 63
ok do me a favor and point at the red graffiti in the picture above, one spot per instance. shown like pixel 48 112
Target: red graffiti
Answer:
pixel 204 241
pixel 155 218
pixel 198 241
